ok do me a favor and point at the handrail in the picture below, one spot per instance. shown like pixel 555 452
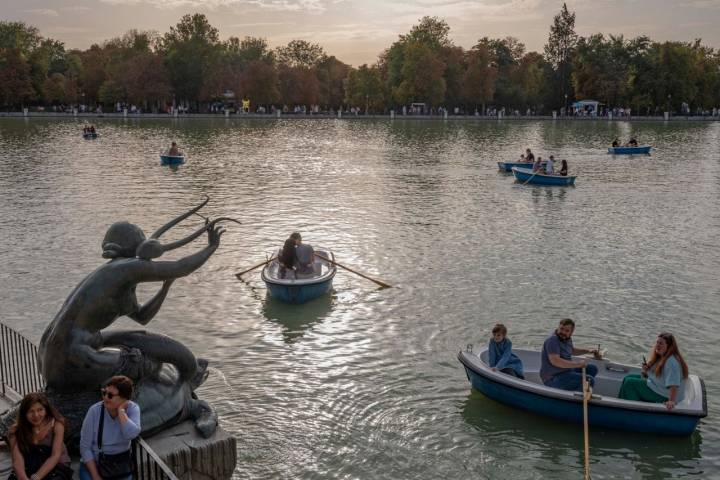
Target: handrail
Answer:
pixel 18 364
pixel 19 375
pixel 148 465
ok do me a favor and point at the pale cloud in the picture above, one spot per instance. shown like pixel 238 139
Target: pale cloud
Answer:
pixel 275 5
pixel 46 12
pixel 702 3
pixel 77 8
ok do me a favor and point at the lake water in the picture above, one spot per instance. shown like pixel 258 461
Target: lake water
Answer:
pixel 364 383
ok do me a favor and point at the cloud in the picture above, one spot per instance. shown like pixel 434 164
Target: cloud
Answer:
pixel 77 8
pixel 46 12
pixel 702 3
pixel 276 5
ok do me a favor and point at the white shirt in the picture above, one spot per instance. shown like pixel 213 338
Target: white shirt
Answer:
pixel 549 166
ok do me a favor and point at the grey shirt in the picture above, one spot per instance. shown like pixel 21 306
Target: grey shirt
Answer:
pixel 553 345
pixel 304 258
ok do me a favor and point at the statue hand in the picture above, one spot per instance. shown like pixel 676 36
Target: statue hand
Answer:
pixel 214 236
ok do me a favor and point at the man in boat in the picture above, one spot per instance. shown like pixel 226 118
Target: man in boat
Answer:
pixel 174 151
pixel 304 257
pixel 632 142
pixel 616 142
pixel 557 368
pixel 529 157
pixel 550 166
pixel 537 166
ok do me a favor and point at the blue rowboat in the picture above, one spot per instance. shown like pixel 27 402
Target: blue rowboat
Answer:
pixel 629 150
pixel 526 175
pixel 300 288
pixel 90 135
pixel 604 408
pixel 507 166
pixel 172 159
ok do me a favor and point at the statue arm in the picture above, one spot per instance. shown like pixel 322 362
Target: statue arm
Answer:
pixel 170 270
pixel 146 312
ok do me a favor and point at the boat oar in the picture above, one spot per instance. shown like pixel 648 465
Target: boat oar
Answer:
pixel 240 274
pixel 586 397
pixel 382 284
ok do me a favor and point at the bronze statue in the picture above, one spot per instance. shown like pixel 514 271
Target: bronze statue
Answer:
pixel 76 356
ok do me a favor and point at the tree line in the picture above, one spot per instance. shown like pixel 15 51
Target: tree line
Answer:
pixel 192 65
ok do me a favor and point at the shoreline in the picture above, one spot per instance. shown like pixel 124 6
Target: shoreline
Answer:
pixel 293 116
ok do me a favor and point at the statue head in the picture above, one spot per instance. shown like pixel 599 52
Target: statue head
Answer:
pixel 122 240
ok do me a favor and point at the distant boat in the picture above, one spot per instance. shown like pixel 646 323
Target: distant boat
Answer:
pixel 526 175
pixel 90 135
pixel 300 288
pixel 604 408
pixel 507 166
pixel 172 159
pixel 629 150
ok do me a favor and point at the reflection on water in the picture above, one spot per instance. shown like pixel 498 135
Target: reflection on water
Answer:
pixel 296 319
pixel 363 383
pixel 651 456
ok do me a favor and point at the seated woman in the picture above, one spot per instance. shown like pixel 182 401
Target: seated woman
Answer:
pixel 107 430
pixel 36 442
pixel 662 378
pixel 174 151
pixel 563 168
pixel 287 255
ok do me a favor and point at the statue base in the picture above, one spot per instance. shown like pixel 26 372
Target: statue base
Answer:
pixel 192 457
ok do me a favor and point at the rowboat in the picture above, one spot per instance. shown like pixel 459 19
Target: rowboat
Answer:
pixel 507 166
pixel 604 408
pixel 90 135
pixel 172 159
pixel 526 175
pixel 291 287
pixel 629 150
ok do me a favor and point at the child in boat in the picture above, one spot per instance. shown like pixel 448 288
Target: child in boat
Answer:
pixel 500 355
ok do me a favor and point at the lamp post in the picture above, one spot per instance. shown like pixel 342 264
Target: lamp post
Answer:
pixel 566 105
pixel 669 103
pixel 367 103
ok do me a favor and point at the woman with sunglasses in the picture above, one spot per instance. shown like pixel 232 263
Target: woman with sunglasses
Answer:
pixel 662 378
pixel 36 442
pixel 108 429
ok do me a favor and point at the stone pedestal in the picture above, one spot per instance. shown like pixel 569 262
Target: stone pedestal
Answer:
pixel 193 457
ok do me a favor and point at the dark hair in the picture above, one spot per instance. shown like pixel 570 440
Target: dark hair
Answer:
pixel 23 428
pixel 567 321
pixel 672 349
pixel 287 255
pixel 295 236
pixel 123 384
pixel 499 327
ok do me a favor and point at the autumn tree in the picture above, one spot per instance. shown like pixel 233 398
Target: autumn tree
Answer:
pixel 300 53
pixel 480 76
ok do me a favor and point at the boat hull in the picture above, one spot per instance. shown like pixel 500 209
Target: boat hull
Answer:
pixel 172 159
pixel 526 175
pixel 90 136
pixel 635 420
pixel 507 166
pixel 629 150
pixel 297 294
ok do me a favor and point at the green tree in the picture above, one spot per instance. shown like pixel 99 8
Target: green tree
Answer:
pixel 192 53
pixel 20 36
pixel 559 51
pixel 422 75
pixel 15 81
pixel 331 74
pixel 364 87
pixel 300 53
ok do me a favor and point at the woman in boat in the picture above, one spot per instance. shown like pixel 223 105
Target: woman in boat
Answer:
pixel 37 442
pixel 563 168
pixel 529 156
pixel 537 166
pixel 662 378
pixel 500 354
pixel 287 256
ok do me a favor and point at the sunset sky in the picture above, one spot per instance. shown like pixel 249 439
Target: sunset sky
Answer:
pixel 356 31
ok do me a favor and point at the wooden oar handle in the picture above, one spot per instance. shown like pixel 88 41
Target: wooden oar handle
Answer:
pixel 382 284
pixel 238 275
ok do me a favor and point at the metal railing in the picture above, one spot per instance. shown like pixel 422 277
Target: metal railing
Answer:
pixel 19 374
pixel 18 364
pixel 148 465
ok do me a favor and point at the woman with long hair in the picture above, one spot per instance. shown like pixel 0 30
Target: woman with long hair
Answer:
pixel 662 378
pixel 37 441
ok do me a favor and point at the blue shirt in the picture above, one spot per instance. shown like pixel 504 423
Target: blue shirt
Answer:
pixel 553 345
pixel 116 437
pixel 671 376
pixel 500 356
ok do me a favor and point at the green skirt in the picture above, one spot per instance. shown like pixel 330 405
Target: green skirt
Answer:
pixel 634 387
